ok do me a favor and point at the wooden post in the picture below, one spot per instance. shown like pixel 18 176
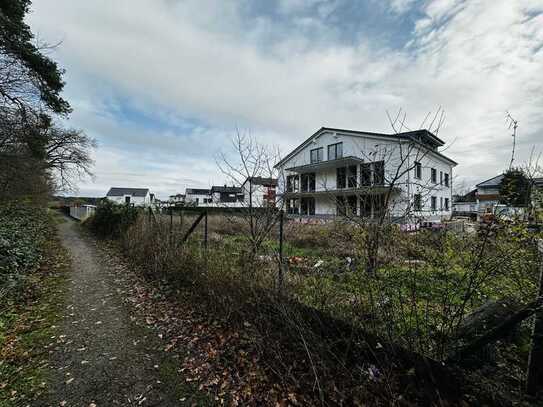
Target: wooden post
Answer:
pixel 534 375
pixel 280 275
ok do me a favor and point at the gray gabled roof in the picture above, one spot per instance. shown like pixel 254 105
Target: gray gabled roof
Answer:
pixel 225 189
pixel 421 136
pixel 492 182
pixel 272 182
pixel 197 191
pixel 116 191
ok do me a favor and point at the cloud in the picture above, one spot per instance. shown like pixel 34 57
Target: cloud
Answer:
pixel 192 71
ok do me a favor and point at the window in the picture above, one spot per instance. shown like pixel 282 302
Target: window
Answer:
pixel 440 177
pixel 127 200
pixel 351 205
pixel 417 202
pixel 434 175
pixel 351 176
pixel 418 170
pixel 379 173
pixel 446 204
pixel 335 151
pixel 446 179
pixel 365 207
pixel 292 206
pixel 340 206
pixel 341 177
pixel 440 203
pixel 346 206
pixel 372 173
pixel 292 183
pixel 308 182
pixel 365 174
pixel 379 207
pixel 317 154
pixel 434 203
pixel 307 206
pixel 197 201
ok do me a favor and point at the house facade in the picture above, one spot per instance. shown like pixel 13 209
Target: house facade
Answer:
pixel 346 172
pixel 131 196
pixel 488 194
pixel 225 196
pixel 197 196
pixel 259 192
pixel 177 199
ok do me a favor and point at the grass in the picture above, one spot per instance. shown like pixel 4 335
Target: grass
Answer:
pixel 27 325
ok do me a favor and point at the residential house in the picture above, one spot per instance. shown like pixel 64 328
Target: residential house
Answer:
pixel 465 205
pixel 488 194
pixel 131 196
pixel 198 197
pixel 225 196
pixel 259 191
pixel 177 199
pixel 336 171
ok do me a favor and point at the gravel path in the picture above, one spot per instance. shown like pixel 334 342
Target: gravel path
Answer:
pixel 100 356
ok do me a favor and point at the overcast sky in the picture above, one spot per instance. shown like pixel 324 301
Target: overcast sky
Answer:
pixel 163 84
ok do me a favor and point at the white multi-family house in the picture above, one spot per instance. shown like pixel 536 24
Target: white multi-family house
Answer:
pixel 339 172
pixel 131 196
pixel 197 196
pixel 259 191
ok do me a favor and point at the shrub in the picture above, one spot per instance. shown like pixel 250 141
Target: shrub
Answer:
pixel 111 219
pixel 23 229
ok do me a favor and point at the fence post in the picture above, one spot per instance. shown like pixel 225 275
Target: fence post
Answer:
pixel 171 225
pixel 205 232
pixel 534 374
pixel 280 275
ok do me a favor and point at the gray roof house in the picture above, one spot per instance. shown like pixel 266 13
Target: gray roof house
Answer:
pixel 130 196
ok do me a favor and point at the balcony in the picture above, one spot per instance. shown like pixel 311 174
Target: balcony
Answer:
pixel 321 165
pixel 366 190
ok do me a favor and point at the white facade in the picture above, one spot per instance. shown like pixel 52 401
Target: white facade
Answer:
pixel 259 192
pixel 363 155
pixel 130 196
pixel 198 197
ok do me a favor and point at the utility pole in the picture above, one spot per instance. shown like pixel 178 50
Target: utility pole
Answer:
pixel 512 124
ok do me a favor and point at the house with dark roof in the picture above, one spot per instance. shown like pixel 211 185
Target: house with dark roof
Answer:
pixel 488 194
pixel 197 196
pixel 350 173
pixel 131 196
pixel 260 191
pixel 223 195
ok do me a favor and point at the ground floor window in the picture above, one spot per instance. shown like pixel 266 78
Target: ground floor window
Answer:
pixel 346 206
pixel 292 206
pixel 434 203
pixel 417 202
pixel 372 206
pixel 307 206
pixel 446 204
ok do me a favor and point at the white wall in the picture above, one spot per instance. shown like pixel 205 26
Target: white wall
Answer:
pixel 257 195
pixel 135 200
pixel 82 212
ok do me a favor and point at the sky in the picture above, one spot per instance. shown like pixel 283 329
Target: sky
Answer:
pixel 163 85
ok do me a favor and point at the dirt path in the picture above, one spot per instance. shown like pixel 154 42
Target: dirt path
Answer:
pixel 101 356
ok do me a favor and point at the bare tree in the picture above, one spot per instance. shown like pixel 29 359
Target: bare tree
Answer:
pixel 251 165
